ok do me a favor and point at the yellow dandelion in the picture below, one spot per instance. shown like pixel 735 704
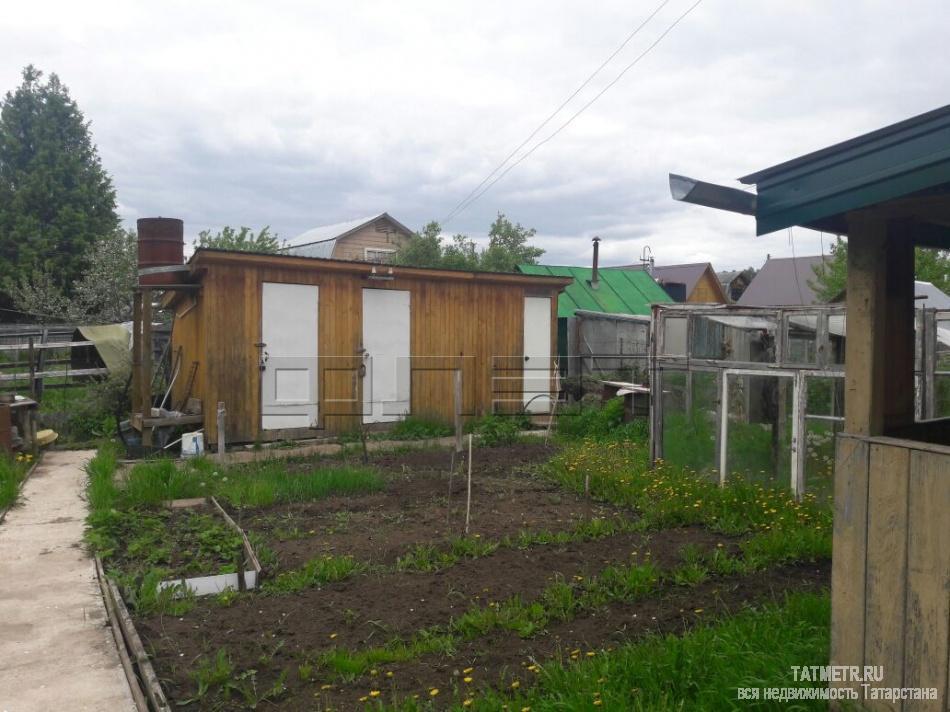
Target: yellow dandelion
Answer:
pixel 433 692
pixel 468 670
pixel 467 680
pixel 515 685
pixel 374 693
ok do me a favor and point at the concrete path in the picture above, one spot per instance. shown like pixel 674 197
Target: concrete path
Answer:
pixel 56 652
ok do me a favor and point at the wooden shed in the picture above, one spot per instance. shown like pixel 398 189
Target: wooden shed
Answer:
pixel 889 192
pixel 297 346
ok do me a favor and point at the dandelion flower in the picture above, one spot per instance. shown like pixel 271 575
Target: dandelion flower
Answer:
pixel 374 693
pixel 433 692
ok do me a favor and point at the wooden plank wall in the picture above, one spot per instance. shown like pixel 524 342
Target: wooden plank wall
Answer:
pixel 891 565
pixel 454 324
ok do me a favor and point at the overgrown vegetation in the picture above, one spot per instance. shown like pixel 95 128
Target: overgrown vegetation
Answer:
pixel 699 670
pixel 497 429
pixel 143 544
pixel 12 472
pixel 603 422
pixel 418 428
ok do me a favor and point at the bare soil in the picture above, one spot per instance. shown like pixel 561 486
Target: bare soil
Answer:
pixel 274 634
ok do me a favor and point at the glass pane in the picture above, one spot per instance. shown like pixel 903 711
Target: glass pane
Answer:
pixel 758 447
pixel 674 335
pixel 820 457
pixel 801 339
pixel 734 338
pixel 690 418
pixel 824 396
pixel 837 329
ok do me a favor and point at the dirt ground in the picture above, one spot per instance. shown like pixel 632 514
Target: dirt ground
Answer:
pixel 275 633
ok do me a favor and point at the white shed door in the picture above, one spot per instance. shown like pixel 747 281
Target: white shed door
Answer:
pixel 386 383
pixel 289 314
pixel 537 354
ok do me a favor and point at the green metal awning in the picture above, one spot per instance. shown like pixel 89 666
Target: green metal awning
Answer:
pixel 907 159
pixel 620 291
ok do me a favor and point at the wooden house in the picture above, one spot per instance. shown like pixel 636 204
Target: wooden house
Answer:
pixel 298 346
pixel 889 192
pixel 374 238
pixel 695 283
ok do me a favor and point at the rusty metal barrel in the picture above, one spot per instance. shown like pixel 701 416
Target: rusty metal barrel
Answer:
pixel 161 244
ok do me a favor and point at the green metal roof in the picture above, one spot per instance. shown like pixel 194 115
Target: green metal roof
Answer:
pixel 818 189
pixel 621 291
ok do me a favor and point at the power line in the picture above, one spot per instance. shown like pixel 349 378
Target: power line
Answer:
pixel 579 111
pixel 564 103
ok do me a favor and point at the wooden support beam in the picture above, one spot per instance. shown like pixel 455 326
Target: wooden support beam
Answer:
pixel 136 352
pixel 145 356
pixel 879 379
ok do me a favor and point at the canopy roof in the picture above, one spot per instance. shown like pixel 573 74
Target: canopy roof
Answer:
pixel 907 160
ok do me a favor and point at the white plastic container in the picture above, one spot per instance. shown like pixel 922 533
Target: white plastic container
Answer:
pixel 193 444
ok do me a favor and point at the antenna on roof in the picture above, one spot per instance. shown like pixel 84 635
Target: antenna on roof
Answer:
pixel 646 259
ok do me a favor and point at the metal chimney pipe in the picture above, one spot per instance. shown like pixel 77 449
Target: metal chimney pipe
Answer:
pixel 595 276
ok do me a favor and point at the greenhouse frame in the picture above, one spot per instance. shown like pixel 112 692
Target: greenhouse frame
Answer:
pixel 779 375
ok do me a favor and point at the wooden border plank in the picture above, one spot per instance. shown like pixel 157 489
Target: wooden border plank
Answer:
pixel 153 687
pixel 848 565
pixel 927 638
pixel 114 626
pixel 886 576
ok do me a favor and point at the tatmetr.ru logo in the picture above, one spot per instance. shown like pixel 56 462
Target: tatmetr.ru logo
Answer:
pixel 838 673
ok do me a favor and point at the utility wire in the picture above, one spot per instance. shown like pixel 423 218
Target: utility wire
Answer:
pixel 578 112
pixel 461 203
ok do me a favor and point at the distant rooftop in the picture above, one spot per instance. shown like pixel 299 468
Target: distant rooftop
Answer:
pixel 782 282
pixel 319 241
pixel 621 290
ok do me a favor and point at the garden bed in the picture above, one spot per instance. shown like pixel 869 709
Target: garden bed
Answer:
pixel 377 595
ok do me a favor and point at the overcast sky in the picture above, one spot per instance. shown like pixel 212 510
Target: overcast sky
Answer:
pixel 297 114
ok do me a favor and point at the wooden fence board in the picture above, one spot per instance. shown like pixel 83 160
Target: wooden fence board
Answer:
pixel 927 638
pixel 848 567
pixel 886 563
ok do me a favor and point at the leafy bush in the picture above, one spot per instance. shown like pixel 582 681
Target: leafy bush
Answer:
pixel 605 421
pixel 418 428
pixel 495 429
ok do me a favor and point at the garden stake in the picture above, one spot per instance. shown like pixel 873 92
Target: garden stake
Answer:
pixel 468 496
pixel 587 492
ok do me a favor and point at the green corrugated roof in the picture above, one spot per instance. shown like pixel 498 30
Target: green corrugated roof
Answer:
pixel 621 291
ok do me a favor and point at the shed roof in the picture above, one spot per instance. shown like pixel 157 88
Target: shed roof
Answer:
pixel 817 190
pixel 205 256
pixel 783 281
pixel 621 291
pixel 319 241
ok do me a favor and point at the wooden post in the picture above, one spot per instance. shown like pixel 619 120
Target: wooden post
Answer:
pixel 32 357
pixel 41 363
pixel 458 410
pixel 879 379
pixel 136 352
pixel 145 375
pixel 6 432
pixel 468 496
pixel 222 441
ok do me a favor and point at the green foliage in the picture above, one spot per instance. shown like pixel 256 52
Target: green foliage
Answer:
pixel 418 428
pixel 102 294
pixel 699 670
pixel 55 198
pixel 507 248
pixel 831 278
pixel 12 473
pixel 243 240
pixel 602 421
pixel 86 414
pixel 668 496
pixel 318 571
pixel 495 429
pixel 146 598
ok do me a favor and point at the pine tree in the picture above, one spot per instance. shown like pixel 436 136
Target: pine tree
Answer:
pixel 55 198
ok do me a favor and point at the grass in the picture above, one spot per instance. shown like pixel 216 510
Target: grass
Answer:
pixel 12 473
pixel 667 496
pixel 259 484
pixel 700 670
pixel 418 428
pixel 603 423
pixel 317 571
